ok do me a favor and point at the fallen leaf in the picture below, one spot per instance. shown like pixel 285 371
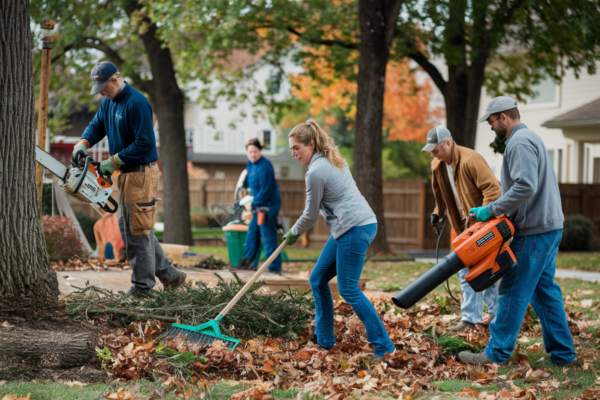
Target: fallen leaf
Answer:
pixel 5 324
pixel 587 303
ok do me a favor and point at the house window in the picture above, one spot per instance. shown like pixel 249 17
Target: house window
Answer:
pixel 545 91
pixel 274 83
pixel 285 170
pixel 189 138
pixel 267 139
pixel 596 170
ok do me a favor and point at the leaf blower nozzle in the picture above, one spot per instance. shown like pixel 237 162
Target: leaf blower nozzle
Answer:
pixel 483 248
pixel 428 281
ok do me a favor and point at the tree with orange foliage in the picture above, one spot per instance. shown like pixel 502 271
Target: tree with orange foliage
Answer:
pixel 407 113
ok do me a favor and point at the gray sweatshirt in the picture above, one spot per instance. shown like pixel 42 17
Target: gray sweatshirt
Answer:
pixel 529 187
pixel 334 193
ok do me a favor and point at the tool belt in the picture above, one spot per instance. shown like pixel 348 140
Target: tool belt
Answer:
pixel 125 169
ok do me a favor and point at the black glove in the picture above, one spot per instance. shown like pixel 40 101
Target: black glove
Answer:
pixel 434 220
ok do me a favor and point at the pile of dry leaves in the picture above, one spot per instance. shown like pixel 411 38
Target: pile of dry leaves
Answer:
pixel 345 370
pixel 92 263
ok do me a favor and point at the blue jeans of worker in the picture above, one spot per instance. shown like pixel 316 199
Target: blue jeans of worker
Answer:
pixel 532 281
pixel 472 301
pixel 345 257
pixel 270 241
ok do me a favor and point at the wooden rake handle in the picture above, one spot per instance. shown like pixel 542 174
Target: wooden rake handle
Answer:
pixel 249 284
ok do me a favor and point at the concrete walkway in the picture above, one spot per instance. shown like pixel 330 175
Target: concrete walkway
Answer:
pixel 573 274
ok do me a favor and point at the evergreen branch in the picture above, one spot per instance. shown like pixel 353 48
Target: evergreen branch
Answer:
pixel 326 42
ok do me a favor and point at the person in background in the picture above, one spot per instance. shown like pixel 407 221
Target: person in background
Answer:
pixel 462 180
pixel 331 190
pixel 530 197
pixel 125 117
pixel 259 176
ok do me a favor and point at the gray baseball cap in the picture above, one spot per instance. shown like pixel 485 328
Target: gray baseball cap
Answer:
pixel 497 105
pixel 101 73
pixel 436 136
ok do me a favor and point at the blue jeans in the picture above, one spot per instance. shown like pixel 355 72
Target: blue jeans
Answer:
pixel 472 301
pixel 345 257
pixel 532 281
pixel 268 231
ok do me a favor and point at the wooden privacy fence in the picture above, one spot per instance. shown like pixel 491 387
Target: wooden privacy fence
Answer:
pixel 407 205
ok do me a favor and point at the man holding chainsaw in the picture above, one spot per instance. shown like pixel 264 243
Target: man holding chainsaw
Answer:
pixel 461 180
pixel 530 197
pixel 125 117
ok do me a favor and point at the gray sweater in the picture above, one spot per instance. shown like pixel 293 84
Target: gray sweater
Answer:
pixel 529 187
pixel 334 193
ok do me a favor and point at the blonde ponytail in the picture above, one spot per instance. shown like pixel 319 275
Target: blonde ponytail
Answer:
pixel 311 131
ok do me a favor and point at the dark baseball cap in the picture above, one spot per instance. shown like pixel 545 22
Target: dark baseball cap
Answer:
pixel 101 73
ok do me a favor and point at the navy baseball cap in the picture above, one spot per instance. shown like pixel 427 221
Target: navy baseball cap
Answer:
pixel 101 73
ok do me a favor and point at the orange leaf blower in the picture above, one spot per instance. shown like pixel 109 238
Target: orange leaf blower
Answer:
pixel 483 248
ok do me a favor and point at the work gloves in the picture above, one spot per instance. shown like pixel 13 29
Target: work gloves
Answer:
pixel 107 167
pixel 434 220
pixel 80 148
pixel 290 238
pixel 482 214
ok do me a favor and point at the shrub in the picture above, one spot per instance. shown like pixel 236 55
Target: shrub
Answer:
pixel 62 239
pixel 578 234
pixel 202 218
pixel 87 225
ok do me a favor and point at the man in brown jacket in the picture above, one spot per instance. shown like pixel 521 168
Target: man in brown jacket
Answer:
pixel 462 180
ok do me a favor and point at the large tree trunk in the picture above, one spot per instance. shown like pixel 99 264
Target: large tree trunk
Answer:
pixel 377 23
pixel 26 279
pixel 169 101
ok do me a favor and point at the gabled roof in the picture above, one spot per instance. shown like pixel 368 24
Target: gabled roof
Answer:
pixel 588 114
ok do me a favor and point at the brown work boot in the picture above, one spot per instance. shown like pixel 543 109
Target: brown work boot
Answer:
pixel 180 280
pixel 463 326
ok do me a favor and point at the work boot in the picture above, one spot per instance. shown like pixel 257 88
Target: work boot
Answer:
pixel 180 280
pixel 245 264
pixel 136 293
pixel 463 326
pixel 474 358
pixel 274 271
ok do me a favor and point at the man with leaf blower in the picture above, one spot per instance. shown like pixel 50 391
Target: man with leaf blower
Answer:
pixel 125 117
pixel 461 180
pixel 530 198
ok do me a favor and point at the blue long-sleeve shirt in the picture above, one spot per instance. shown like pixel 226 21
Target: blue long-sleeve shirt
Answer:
pixel 127 122
pixel 261 180
pixel 530 192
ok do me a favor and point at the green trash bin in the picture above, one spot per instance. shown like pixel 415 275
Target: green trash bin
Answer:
pixel 235 246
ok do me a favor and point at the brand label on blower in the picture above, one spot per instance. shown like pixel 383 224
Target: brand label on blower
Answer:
pixel 486 238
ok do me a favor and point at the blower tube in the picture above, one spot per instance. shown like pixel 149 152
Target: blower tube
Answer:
pixel 431 279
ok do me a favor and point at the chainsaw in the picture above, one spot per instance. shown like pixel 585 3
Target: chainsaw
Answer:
pixel 82 179
pixel 483 248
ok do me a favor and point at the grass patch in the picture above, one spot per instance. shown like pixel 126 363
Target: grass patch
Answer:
pixel 584 261
pixel 455 345
pixel 141 389
pixel 57 390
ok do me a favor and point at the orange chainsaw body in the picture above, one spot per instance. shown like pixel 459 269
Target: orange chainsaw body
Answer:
pixel 484 249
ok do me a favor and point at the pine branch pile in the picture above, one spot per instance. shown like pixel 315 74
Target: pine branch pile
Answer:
pixel 257 313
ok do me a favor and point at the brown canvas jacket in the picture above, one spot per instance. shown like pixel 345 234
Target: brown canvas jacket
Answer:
pixel 475 183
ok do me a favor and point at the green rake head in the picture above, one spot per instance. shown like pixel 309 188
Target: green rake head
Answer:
pixel 204 334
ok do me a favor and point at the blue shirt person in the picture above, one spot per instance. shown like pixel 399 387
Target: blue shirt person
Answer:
pixel 259 176
pixel 125 118
pixel 531 199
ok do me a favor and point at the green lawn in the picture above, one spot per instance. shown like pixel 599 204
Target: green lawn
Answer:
pixel 579 261
pixel 141 389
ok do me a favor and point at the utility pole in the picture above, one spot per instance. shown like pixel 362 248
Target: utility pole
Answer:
pixel 48 25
